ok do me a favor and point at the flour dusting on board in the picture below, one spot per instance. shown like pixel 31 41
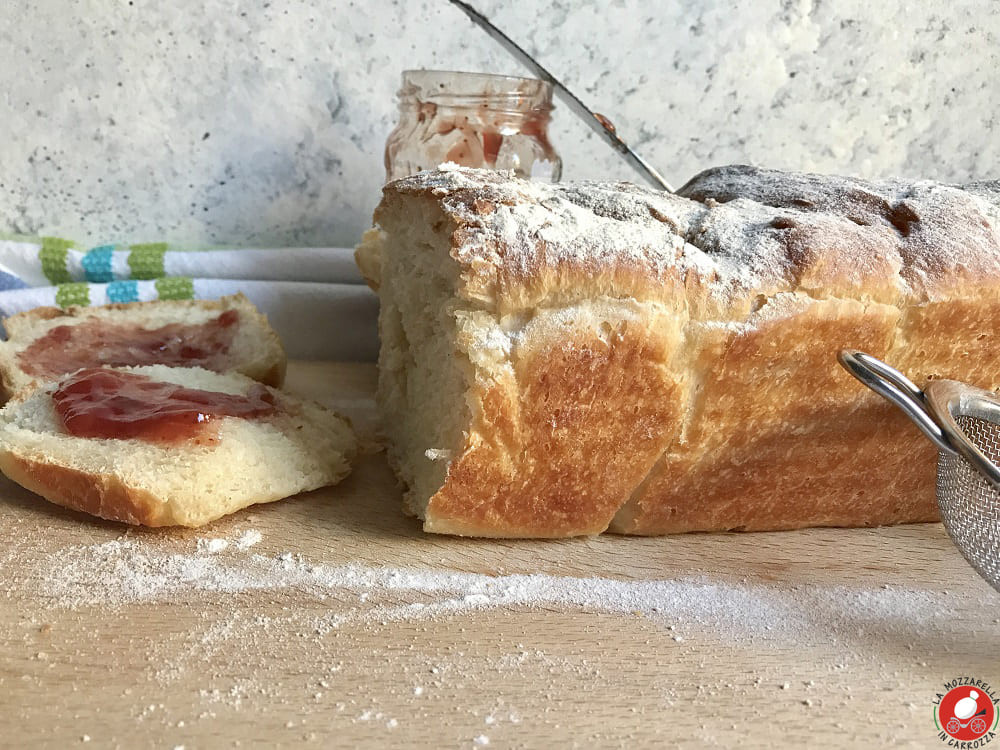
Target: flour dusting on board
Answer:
pixel 202 634
pixel 126 571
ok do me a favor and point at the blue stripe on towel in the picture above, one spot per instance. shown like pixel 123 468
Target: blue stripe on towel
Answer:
pixel 10 281
pixel 97 264
pixel 123 291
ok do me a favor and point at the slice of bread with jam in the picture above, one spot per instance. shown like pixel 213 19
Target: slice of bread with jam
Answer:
pixel 162 446
pixel 224 335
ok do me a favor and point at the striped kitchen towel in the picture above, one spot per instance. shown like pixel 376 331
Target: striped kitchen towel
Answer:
pixel 314 297
pixel 51 260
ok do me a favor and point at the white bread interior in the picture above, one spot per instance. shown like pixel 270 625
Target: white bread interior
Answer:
pixel 423 376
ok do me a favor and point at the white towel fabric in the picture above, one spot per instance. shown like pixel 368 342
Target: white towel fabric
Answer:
pixel 314 297
pixel 323 264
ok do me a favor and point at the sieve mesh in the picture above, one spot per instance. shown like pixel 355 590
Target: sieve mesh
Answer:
pixel 970 505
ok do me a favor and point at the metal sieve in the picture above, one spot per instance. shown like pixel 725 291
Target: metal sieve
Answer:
pixel 964 423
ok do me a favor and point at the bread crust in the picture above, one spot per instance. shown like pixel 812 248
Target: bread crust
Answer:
pixel 14 324
pixel 101 495
pixel 781 438
pixel 765 275
pixel 560 442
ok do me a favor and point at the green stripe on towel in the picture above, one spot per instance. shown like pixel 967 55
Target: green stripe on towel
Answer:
pixel 77 293
pixel 53 259
pixel 175 287
pixel 146 261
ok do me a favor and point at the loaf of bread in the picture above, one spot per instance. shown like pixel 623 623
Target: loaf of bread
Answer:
pixel 562 360
pixel 228 334
pixel 233 463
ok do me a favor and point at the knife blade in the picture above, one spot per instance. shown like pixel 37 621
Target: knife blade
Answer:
pixel 598 122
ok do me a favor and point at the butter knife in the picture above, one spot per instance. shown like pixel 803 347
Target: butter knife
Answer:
pixel 598 122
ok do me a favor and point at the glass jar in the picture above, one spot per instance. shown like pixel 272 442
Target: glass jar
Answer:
pixel 475 120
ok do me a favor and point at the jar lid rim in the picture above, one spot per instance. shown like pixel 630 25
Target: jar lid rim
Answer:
pixel 468 75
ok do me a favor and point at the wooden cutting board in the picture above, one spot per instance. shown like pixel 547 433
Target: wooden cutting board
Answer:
pixel 313 635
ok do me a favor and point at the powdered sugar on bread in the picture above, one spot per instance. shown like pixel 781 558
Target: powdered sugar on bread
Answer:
pixel 736 231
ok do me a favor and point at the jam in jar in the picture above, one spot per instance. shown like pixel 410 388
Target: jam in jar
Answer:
pixel 474 120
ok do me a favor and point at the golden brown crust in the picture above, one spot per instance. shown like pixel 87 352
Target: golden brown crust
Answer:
pixel 274 377
pixel 41 313
pixel 766 275
pixel 104 496
pixel 780 437
pixel 729 235
pixel 8 387
pixel 506 266
pixel 559 445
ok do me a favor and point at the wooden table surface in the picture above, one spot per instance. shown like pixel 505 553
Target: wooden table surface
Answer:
pixel 818 638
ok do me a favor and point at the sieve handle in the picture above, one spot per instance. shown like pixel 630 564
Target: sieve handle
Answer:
pixel 894 386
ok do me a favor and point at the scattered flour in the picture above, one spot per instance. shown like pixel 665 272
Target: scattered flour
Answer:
pixel 126 571
pixel 248 539
pixel 212 546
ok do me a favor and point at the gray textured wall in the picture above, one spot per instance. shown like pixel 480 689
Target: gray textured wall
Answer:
pixel 263 123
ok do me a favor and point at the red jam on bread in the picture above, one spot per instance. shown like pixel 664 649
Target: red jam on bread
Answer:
pixel 95 343
pixel 101 403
